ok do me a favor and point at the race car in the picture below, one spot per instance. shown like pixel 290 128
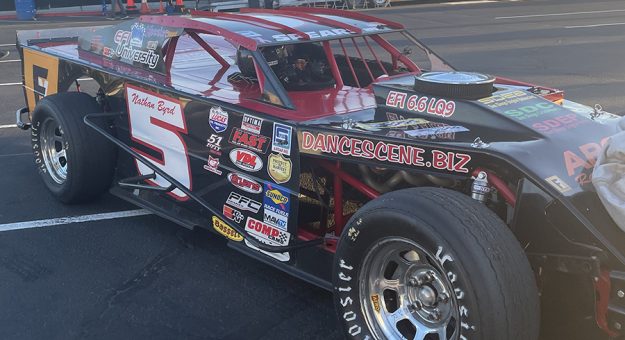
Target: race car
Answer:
pixel 434 203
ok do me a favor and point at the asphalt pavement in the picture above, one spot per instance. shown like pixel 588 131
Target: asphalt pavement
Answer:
pixel 144 277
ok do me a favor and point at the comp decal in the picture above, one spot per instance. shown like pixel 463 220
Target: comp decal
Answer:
pixel 224 229
pixel 266 233
pixel 249 140
pixel 385 152
pixel 276 205
pixel 246 160
pixel 422 104
pixel 245 183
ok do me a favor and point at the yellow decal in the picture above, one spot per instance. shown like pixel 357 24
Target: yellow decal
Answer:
pixel 41 76
pixel 279 168
pixel 226 230
pixel 376 302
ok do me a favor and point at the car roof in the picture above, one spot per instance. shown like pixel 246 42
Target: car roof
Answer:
pixel 253 28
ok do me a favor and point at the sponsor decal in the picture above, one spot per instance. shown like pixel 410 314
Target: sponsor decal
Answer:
pixel 579 163
pixel 246 159
pixel 281 141
pixel 212 165
pixel 384 152
pixel 251 124
pixel 137 33
pixel 232 214
pixel 375 300
pixel 505 99
pixel 126 43
pixel 276 206
pixel 266 233
pixel 243 203
pixel 249 140
pixel 391 124
pixel 440 131
pixel 279 168
pixel 558 183
pixel 560 123
pixel 224 229
pixel 213 143
pixel 151 45
pixel 422 104
pixel 532 110
pixel 245 183
pixel 218 119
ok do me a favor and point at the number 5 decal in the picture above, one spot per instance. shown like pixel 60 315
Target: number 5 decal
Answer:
pixel 156 121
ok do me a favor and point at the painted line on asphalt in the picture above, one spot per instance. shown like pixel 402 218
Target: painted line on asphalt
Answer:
pixel 596 25
pixel 17 154
pixel 73 219
pixel 8 126
pixel 5 45
pixel 468 2
pixel 10 61
pixel 13 84
pixel 559 14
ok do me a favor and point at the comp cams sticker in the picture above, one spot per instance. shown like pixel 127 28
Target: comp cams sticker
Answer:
pixel 267 234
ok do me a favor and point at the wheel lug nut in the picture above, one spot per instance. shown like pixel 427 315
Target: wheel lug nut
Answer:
pixel 434 315
pixel 443 297
pixel 415 281
pixel 415 306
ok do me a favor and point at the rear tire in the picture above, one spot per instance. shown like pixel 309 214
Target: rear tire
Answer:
pixel 428 263
pixel 75 162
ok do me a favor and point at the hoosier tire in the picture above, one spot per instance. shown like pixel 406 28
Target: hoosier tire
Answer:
pixel 75 162
pixel 428 264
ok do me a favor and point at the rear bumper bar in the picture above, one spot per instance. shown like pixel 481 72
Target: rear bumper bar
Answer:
pixel 18 119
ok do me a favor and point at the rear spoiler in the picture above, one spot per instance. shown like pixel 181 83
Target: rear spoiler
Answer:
pixel 58 35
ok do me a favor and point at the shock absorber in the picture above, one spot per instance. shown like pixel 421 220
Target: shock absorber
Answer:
pixel 480 190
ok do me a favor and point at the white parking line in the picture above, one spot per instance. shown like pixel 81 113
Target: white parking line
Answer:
pixel 10 61
pixel 5 45
pixel 8 126
pixel 596 25
pixel 559 14
pixel 10 84
pixel 16 155
pixel 73 219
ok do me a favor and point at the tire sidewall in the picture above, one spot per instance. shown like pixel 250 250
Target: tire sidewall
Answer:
pixel 42 113
pixel 362 232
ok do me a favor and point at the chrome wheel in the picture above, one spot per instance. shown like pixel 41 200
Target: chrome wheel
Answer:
pixel 54 150
pixel 405 293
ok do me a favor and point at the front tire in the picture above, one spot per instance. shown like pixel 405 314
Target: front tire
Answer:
pixel 427 264
pixel 75 163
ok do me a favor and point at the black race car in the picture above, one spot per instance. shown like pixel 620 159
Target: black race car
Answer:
pixel 434 203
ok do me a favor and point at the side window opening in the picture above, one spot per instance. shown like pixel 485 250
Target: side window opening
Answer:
pixel 362 60
pixel 300 67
